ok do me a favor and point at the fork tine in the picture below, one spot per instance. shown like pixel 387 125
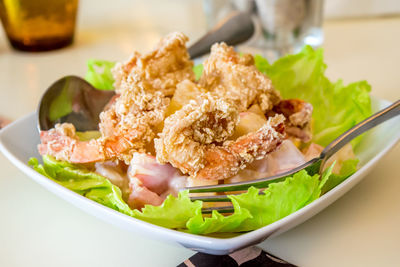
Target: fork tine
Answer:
pixel 311 166
pixel 226 209
pixel 218 198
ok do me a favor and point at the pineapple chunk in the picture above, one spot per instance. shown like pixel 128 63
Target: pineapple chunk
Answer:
pixel 185 91
pixel 248 122
pixel 256 109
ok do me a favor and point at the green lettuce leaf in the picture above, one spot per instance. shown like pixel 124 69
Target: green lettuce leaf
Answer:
pixel 218 223
pixel 82 181
pixel 278 201
pixel 173 213
pixel 254 210
pixel 251 209
pixel 99 74
pixel 337 107
pixel 198 70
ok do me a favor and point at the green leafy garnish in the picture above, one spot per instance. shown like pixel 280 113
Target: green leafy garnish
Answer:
pixel 252 210
pixel 198 70
pixel 337 107
pixel 99 74
pixel 82 181
pixel 173 213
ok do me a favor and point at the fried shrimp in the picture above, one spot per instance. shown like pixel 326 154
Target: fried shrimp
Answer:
pixel 188 131
pixel 130 123
pixel 194 139
pixel 162 69
pixel 126 130
pixel 229 75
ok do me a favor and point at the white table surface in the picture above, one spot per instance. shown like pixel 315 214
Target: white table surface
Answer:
pixel 39 229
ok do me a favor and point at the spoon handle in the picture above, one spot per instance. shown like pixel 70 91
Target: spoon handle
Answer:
pixel 235 29
pixel 391 111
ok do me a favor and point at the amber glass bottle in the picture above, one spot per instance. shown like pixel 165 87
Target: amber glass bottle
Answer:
pixel 39 25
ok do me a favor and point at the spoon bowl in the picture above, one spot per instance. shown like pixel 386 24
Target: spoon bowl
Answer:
pixel 72 99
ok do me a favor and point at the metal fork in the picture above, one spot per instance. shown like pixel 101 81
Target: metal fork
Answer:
pixel 313 166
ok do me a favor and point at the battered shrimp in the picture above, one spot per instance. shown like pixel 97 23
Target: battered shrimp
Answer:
pixel 229 75
pixel 130 123
pixel 193 139
pixel 162 69
pixel 189 130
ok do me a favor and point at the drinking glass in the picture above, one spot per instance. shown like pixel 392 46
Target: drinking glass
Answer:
pixel 39 25
pixel 282 26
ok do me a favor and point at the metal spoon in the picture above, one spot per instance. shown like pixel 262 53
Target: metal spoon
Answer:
pixel 72 99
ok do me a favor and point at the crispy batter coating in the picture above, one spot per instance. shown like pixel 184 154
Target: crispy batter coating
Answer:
pixel 235 77
pixel 161 69
pixel 132 120
pixel 188 131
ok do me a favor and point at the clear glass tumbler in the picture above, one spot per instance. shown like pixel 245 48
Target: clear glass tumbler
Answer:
pixel 39 25
pixel 282 26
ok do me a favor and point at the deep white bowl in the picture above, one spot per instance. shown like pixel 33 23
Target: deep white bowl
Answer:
pixel 19 140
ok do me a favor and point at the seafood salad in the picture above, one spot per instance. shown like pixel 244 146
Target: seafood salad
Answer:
pixel 233 118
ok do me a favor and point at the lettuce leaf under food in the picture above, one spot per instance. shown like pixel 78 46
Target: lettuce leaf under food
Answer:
pixel 218 223
pixel 252 210
pixel 278 201
pixel 198 70
pixel 82 181
pixel 99 74
pixel 173 213
pixel 337 107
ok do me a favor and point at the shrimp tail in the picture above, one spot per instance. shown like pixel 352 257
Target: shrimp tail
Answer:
pixel 62 143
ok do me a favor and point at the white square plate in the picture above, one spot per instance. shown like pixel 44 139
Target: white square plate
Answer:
pixel 19 140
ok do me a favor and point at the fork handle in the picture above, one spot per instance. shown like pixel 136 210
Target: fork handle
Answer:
pixel 391 111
